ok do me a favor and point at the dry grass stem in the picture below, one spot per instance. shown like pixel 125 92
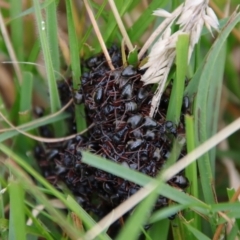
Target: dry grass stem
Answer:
pixel 42 139
pixel 120 25
pixel 166 175
pixel 41 120
pixel 99 35
pixel 10 48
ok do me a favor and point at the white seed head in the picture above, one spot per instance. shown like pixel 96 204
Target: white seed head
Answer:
pixel 190 16
pixel 212 15
pixel 162 13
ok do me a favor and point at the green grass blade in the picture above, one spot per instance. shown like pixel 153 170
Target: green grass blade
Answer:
pixel 26 98
pixel 232 74
pixel 75 65
pixel 146 18
pixel 201 107
pixel 16 27
pixel 166 212
pixel 56 216
pixel 175 104
pixel 30 10
pixel 41 198
pixel 161 228
pixel 52 85
pixel 23 143
pixel 37 223
pixel 192 87
pixel 133 57
pixel 17 230
pixel 52 34
pixel 230 193
pixel 141 179
pixel 191 171
pixel 3 224
pixel 198 234
pixel 177 229
pixel 74 48
pixel 214 100
pixel 33 55
pixel 3 111
pixel 234 208
pixel 140 216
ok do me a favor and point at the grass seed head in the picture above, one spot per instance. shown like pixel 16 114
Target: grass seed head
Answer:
pixel 191 19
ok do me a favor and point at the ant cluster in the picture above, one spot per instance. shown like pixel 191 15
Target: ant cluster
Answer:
pixel 118 104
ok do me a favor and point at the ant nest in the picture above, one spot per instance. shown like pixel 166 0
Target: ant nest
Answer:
pixel 118 104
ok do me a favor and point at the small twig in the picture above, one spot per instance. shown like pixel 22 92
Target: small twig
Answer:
pixel 10 48
pixel 99 35
pixel 120 25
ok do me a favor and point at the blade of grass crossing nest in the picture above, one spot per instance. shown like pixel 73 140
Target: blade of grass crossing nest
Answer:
pixel 99 35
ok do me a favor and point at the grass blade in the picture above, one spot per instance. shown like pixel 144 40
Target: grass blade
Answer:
pixel 201 107
pixel 146 18
pixel 199 235
pixel 52 34
pixel 44 232
pixel 191 171
pixel 141 213
pixel 56 216
pixel 53 91
pixel 31 10
pixel 161 228
pixel 41 198
pixel 175 104
pixel 17 230
pixel 75 65
pixel 166 212
pixel 141 179
pixel 59 128
pixel 23 143
pixel 16 27
pixel 3 224
pixel 140 216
